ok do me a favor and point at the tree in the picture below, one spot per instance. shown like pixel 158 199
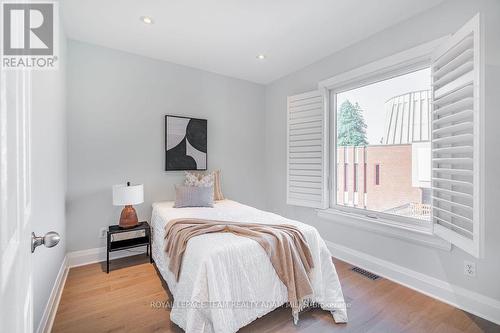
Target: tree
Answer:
pixel 351 128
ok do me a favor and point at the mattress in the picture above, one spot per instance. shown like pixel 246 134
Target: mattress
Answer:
pixel 226 281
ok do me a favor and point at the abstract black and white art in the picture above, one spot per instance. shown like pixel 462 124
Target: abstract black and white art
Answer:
pixel 185 143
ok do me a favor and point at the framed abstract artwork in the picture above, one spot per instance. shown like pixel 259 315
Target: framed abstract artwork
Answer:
pixel 185 143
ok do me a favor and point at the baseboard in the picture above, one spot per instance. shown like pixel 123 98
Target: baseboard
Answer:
pixel 98 254
pixel 459 297
pixel 50 311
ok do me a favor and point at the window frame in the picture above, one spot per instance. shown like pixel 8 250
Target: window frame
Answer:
pixel 405 62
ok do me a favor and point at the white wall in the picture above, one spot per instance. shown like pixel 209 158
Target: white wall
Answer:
pixel 437 22
pixel 48 137
pixel 116 107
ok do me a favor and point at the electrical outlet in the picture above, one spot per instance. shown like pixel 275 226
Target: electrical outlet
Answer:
pixel 469 268
pixel 103 232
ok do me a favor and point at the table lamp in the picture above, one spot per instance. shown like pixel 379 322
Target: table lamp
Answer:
pixel 128 195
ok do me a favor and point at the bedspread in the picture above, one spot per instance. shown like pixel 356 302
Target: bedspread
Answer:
pixel 226 281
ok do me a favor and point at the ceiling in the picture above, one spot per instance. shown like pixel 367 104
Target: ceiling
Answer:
pixel 225 36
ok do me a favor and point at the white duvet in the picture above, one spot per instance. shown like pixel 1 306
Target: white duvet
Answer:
pixel 226 281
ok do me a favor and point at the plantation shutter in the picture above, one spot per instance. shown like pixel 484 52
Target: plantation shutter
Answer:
pixel 307 148
pixel 456 137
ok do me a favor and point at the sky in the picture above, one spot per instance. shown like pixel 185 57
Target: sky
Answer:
pixel 372 98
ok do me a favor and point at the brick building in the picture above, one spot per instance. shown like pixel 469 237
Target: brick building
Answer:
pixel 394 176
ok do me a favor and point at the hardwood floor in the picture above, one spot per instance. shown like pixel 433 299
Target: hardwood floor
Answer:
pixel 129 300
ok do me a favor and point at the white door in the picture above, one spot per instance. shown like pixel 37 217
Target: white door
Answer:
pixel 15 225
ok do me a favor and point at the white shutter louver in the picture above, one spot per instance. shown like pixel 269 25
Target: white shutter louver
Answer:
pixel 307 146
pixel 456 139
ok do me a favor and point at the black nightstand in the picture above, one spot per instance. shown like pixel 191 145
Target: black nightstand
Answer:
pixel 123 239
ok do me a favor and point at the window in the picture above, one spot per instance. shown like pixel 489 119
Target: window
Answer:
pixel 364 178
pixel 377 174
pixel 381 122
pixel 432 157
pixel 345 177
pixel 337 183
pixel 355 176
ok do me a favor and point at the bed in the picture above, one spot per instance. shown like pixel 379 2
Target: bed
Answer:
pixel 226 281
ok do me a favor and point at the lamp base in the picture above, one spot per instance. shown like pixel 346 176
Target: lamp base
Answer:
pixel 128 217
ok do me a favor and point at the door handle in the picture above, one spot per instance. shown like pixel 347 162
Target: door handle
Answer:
pixel 50 239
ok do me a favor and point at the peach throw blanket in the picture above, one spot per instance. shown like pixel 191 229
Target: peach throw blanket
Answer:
pixel 284 244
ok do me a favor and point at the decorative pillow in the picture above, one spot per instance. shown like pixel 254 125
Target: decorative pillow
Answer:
pixel 193 196
pixel 204 180
pixel 199 179
pixel 217 186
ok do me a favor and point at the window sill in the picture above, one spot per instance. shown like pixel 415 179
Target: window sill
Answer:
pixel 420 237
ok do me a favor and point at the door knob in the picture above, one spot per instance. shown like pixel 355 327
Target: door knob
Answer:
pixel 50 239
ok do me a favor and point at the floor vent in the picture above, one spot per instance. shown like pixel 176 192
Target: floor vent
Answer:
pixel 367 274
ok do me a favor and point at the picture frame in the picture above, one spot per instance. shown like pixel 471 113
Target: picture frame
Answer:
pixel 185 143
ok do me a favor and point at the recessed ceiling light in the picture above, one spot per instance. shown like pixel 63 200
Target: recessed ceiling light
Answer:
pixel 147 19
pixel 261 56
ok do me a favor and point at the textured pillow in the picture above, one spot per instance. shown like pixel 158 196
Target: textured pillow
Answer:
pixel 206 179
pixel 193 196
pixel 199 179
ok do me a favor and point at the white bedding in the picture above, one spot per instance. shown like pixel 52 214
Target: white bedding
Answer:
pixel 226 281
